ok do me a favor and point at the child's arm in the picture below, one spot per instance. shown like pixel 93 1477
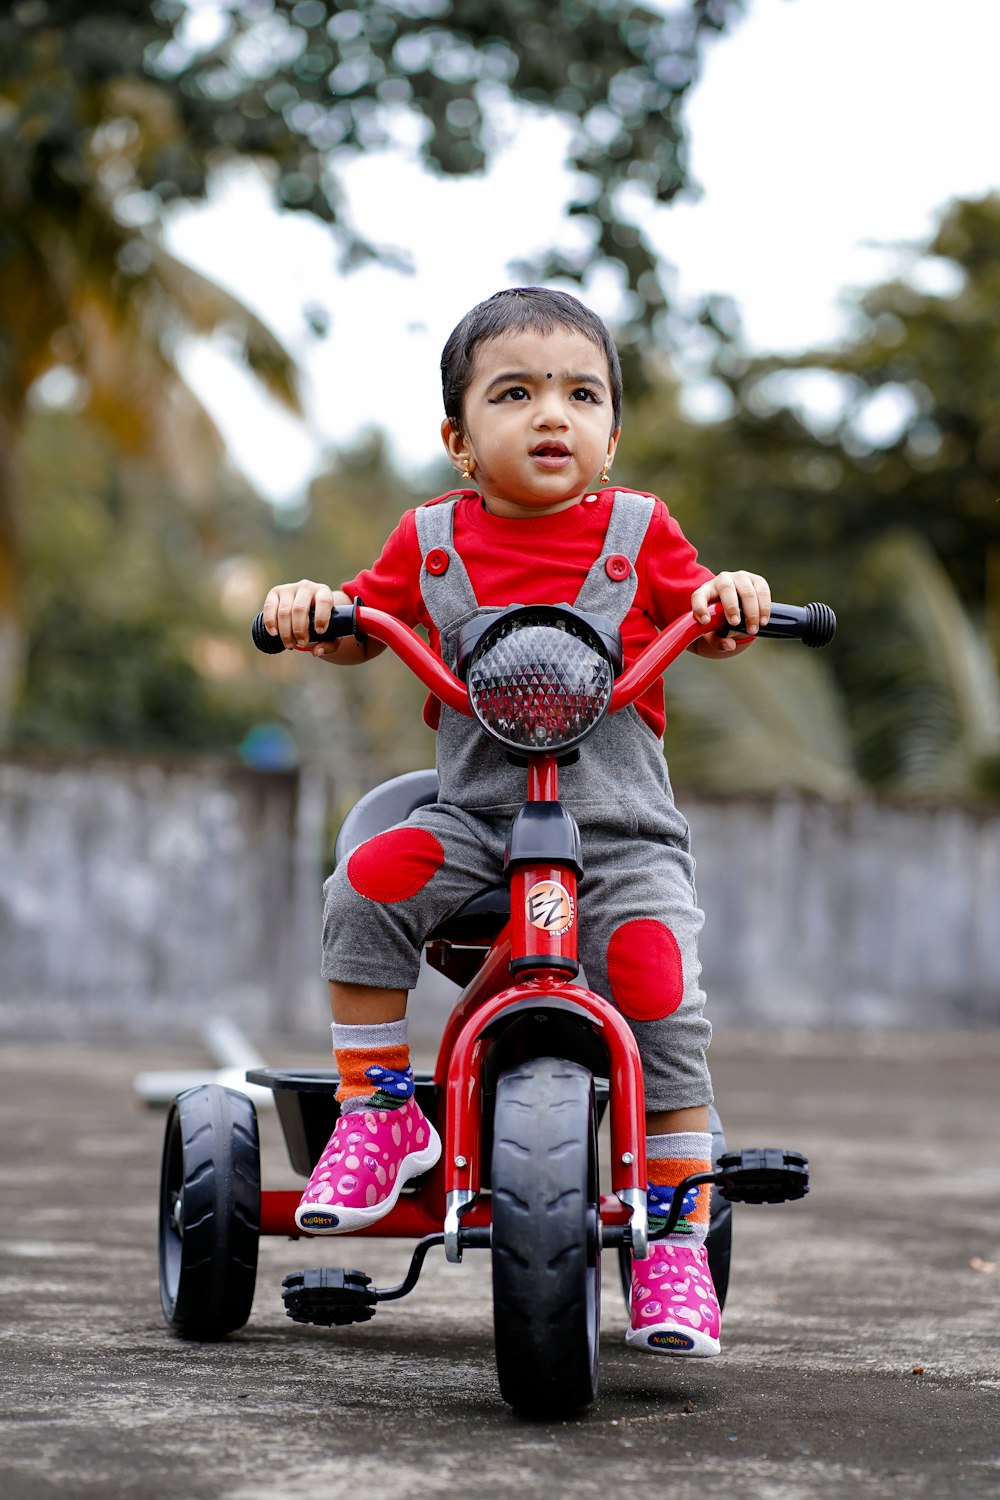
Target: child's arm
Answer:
pixel 286 613
pixel 732 590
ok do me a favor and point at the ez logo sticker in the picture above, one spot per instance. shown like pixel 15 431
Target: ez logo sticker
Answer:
pixel 549 906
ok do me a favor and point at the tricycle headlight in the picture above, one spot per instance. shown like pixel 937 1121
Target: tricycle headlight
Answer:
pixel 540 680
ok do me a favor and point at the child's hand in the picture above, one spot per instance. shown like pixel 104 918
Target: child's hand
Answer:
pixel 286 612
pixel 733 591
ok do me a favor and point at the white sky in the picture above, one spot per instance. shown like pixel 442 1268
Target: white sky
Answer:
pixel 825 134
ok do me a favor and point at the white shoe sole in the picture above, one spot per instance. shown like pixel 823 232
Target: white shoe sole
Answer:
pixel 673 1339
pixel 318 1218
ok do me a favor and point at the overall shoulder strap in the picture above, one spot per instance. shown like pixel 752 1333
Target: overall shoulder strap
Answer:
pixel 610 591
pixel 444 585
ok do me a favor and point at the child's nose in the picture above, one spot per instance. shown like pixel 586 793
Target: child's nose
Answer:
pixel 550 411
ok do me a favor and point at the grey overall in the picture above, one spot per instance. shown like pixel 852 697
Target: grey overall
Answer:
pixel 638 878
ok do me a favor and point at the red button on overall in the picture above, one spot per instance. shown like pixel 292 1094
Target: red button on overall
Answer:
pixel 437 562
pixel 616 567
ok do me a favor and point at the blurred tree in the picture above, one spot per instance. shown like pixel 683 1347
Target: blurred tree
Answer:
pixel 130 643
pixel 142 101
pixel 889 507
pixel 111 108
pixel 914 439
pixel 925 696
pixel 91 305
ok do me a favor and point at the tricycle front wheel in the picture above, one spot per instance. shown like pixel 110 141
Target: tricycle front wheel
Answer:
pixel 545 1246
pixel 209 1212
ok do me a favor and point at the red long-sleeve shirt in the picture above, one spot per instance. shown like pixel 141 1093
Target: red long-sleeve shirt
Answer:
pixel 542 560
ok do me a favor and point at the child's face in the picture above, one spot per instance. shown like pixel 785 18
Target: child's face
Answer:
pixel 536 421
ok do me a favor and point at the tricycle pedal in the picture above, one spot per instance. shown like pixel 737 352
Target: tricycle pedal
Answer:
pixel 766 1174
pixel 328 1296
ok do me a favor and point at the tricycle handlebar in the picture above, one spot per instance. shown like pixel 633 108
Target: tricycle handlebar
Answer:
pixel 351 619
pixel 813 624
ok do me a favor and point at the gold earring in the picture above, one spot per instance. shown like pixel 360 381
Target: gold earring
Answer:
pixel 605 472
pixel 466 470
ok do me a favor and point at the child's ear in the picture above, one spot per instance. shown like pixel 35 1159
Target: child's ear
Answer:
pixel 454 442
pixel 613 443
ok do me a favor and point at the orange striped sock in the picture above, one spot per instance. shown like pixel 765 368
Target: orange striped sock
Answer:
pixel 669 1159
pixel 361 1051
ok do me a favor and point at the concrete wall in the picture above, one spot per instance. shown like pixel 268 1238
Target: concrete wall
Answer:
pixel 149 895
pixel 855 913
pixel 146 895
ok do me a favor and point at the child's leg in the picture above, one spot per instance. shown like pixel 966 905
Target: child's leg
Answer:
pixel 673 1305
pixel 380 904
pixel 641 922
pixel 669 1121
pixel 365 1004
pixel 639 929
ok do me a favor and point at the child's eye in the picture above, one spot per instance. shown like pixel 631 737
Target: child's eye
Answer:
pixel 584 392
pixel 514 393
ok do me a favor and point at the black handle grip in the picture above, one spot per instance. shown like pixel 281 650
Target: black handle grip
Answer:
pixel 812 624
pixel 342 623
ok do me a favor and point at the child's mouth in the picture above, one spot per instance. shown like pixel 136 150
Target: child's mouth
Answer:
pixel 551 455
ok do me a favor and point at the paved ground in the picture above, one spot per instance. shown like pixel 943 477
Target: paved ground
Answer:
pixel 862 1345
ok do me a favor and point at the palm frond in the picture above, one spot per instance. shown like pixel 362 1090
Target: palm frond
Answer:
pixel 206 307
pixel 772 720
pixel 929 712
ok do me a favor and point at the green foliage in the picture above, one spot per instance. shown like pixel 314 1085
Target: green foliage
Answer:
pixel 120 582
pixel 899 530
pixel 124 682
pixel 773 720
pixel 936 355
pixel 926 710
pixel 120 99
pixel 110 109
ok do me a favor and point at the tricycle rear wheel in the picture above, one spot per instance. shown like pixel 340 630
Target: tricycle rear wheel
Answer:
pixel 209 1212
pixel 545 1243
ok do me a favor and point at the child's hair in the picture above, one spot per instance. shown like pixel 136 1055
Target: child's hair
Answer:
pixel 519 307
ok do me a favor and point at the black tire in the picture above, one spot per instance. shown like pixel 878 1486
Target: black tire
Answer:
pixel 720 1230
pixel 546 1256
pixel 209 1212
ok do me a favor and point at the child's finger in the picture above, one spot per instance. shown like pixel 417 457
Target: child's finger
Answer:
pixel 270 612
pixel 747 592
pixel 729 596
pixel 283 618
pixel 323 608
pixel 700 600
pixel 763 597
pixel 302 603
pixel 283 615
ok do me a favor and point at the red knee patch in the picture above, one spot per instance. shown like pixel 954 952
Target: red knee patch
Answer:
pixel 645 971
pixel 395 865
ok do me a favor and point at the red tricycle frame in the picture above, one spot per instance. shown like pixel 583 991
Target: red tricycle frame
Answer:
pixel 448 1198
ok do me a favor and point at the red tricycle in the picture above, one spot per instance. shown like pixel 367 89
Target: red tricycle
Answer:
pixel 528 1063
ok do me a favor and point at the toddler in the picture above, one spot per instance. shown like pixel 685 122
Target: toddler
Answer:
pixel 532 399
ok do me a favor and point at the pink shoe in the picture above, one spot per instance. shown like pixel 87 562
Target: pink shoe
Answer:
pixel 674 1309
pixel 364 1166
